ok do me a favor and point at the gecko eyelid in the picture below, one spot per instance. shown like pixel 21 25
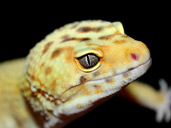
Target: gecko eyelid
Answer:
pixel 88 60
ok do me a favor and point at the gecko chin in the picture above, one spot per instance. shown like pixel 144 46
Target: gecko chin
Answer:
pixel 99 89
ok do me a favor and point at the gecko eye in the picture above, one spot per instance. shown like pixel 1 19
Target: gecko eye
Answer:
pixel 88 60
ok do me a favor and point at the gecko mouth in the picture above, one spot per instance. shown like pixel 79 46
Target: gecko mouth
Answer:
pixel 132 74
pixel 105 88
pixel 138 71
pixel 135 73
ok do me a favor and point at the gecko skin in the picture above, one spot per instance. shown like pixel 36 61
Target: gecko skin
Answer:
pixel 71 71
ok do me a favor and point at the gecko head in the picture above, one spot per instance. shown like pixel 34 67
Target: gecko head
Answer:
pixel 83 63
pixel 105 65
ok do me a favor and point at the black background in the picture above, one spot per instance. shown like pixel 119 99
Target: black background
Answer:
pixel 24 24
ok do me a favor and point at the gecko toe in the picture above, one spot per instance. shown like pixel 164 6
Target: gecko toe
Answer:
pixel 168 115
pixel 163 85
pixel 164 110
pixel 159 115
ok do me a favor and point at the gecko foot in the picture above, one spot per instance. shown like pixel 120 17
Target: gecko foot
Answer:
pixel 164 110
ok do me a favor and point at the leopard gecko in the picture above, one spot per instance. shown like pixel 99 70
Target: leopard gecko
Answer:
pixel 74 69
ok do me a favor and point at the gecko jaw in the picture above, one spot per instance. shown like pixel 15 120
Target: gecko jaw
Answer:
pixel 118 80
pixel 86 101
pixel 144 66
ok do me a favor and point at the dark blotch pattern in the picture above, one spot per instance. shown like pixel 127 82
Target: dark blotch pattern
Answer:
pixel 96 74
pixel 82 79
pixel 89 29
pixel 106 37
pixel 68 39
pixel 48 71
pixel 56 53
pixel 96 86
pixel 75 38
pixel 47 46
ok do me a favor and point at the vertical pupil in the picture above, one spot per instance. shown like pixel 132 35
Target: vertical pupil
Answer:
pixel 88 60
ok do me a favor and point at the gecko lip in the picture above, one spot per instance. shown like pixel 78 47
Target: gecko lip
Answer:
pixel 89 100
pixel 145 66
pixel 138 70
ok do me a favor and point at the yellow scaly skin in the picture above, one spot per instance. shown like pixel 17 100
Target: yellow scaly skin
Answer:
pixel 13 110
pixel 56 83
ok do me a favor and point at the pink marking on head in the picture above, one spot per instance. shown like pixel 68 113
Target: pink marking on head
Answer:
pixel 134 56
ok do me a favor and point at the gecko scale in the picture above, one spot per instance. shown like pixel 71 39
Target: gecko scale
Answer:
pixel 71 71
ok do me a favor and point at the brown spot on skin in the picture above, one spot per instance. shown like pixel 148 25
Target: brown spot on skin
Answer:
pixel 109 80
pixel 67 39
pixel 96 86
pixel 89 29
pixel 119 41
pixel 82 79
pixel 84 39
pixel 96 74
pixel 32 77
pixel 47 46
pixel 65 36
pixel 56 53
pixel 79 106
pixel 53 83
pixel 33 94
pixel 42 64
pixel 75 38
pixel 107 37
pixel 126 75
pixel 124 36
pixel 48 70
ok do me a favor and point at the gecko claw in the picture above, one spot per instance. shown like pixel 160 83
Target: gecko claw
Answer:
pixel 164 110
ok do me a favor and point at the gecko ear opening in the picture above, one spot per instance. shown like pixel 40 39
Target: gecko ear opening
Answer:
pixel 118 25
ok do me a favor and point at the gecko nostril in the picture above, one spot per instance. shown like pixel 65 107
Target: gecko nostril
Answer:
pixel 134 56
